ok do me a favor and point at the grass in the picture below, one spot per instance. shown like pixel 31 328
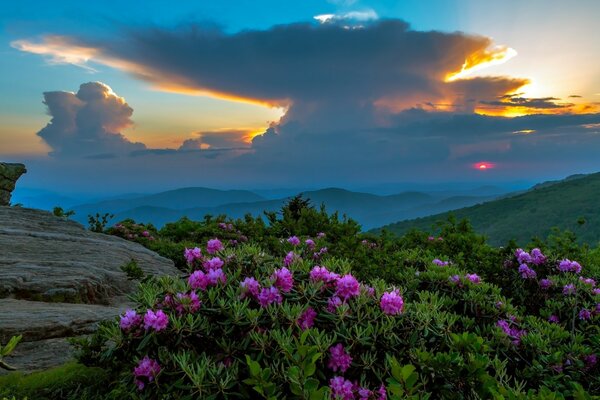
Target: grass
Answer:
pixel 69 381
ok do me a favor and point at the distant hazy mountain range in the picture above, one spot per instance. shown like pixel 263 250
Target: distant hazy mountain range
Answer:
pixel 369 210
pixel 572 203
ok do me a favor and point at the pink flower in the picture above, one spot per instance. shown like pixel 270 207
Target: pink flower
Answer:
pixel 293 240
pixel 392 303
pixel 439 262
pixel 341 389
pixel 213 246
pixel 310 244
pixel 339 359
pixel 347 286
pixel 198 280
pixel 307 319
pixel 130 320
pixel 514 333
pixel 269 296
pixel 320 235
pixel 545 284
pixel 156 320
pixel 192 254
pixel 187 302
pixel 213 263
pixel 148 369
pixel 554 319
pixel 588 281
pixel 283 279
pixel 250 286
pixel 333 303
pixel 596 291
pixel 455 279
pixel 146 234
pixel 215 276
pixel 431 238
pixel 585 314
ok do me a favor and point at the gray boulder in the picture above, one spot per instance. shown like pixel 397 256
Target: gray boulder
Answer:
pixel 58 280
pixel 9 174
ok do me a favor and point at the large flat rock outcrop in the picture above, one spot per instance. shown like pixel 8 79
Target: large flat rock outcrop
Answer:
pixel 58 279
pixel 9 174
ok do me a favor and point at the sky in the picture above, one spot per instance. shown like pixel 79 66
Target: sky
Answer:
pixel 129 96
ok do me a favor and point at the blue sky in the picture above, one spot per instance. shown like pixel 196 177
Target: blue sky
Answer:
pixel 188 121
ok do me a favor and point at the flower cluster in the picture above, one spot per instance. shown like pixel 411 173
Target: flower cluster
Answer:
pixel 567 265
pixel 283 279
pixel 392 303
pixel 156 320
pixel 343 389
pixel 440 263
pixel 511 331
pixel 339 359
pixel 146 371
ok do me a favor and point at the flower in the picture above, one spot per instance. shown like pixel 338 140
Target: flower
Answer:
pixel 341 388
pixel 514 333
pixel 187 302
pixel 198 280
pixel 333 303
pixel 347 286
pixel 321 235
pixel 474 278
pixel 192 254
pixel 129 320
pixel 250 286
pixel 596 291
pixel 588 281
pixel 269 296
pixel 545 284
pixel 215 276
pixel 431 238
pixel 455 279
pixel 293 240
pixel 307 319
pixel 526 272
pixel 283 279
pixel 391 303
pixel 537 257
pixel 569 289
pixel 213 263
pixel 522 256
pixel 322 274
pixel 289 258
pixel 585 314
pixel 567 265
pixel 213 246
pixel 156 320
pixel 147 368
pixel 439 262
pixel 339 359
pixel 590 361
pixel 310 243
pixel 554 319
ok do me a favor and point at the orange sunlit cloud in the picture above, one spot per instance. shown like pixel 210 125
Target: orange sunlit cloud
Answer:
pixel 482 59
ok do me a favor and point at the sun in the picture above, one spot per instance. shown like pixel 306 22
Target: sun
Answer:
pixel 483 165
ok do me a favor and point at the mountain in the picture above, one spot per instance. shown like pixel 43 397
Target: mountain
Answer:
pixel 369 210
pixel 178 199
pixel 535 212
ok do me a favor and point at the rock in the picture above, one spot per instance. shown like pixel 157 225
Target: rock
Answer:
pixel 9 174
pixel 58 279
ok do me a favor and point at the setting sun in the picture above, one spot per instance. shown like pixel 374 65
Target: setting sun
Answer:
pixel 482 166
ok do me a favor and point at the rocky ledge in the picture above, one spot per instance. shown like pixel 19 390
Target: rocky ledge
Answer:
pixel 9 174
pixel 58 280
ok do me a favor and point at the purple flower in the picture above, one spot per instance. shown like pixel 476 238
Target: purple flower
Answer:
pixel 567 265
pixel 347 286
pixel 307 319
pixel 145 234
pixel 522 256
pixel 250 286
pixel 198 280
pixel 339 359
pixel 187 302
pixel 596 291
pixel 215 276
pixel 322 274
pixel 590 361
pixel 588 281
pixel 455 279
pixel 439 262
pixel 310 244
pixel 585 314
pixel 569 289
pixel 545 284
pixel 474 278
pixel 148 369
pixel 293 240
pixel 156 320
pixel 431 238
pixel 333 303
pixel 341 389
pixel 554 319
pixel 513 332
pixel 129 320
pixel 269 296
pixel 213 246
pixel 320 235
pixel 537 257
pixel 289 258
pixel 369 291
pixel 391 303
pixel 283 279
pixel 213 263
pixel 526 272
pixel 192 254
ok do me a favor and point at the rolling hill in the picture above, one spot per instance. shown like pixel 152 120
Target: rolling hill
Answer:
pixel 532 213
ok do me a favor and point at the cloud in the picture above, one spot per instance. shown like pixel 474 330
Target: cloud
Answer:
pixel 351 17
pixel 88 123
pixel 230 139
pixel 517 100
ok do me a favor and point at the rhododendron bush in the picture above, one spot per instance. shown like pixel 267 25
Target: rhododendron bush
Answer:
pixel 294 319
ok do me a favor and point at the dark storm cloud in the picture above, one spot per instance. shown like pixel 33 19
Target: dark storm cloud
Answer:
pixel 529 102
pixel 87 123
